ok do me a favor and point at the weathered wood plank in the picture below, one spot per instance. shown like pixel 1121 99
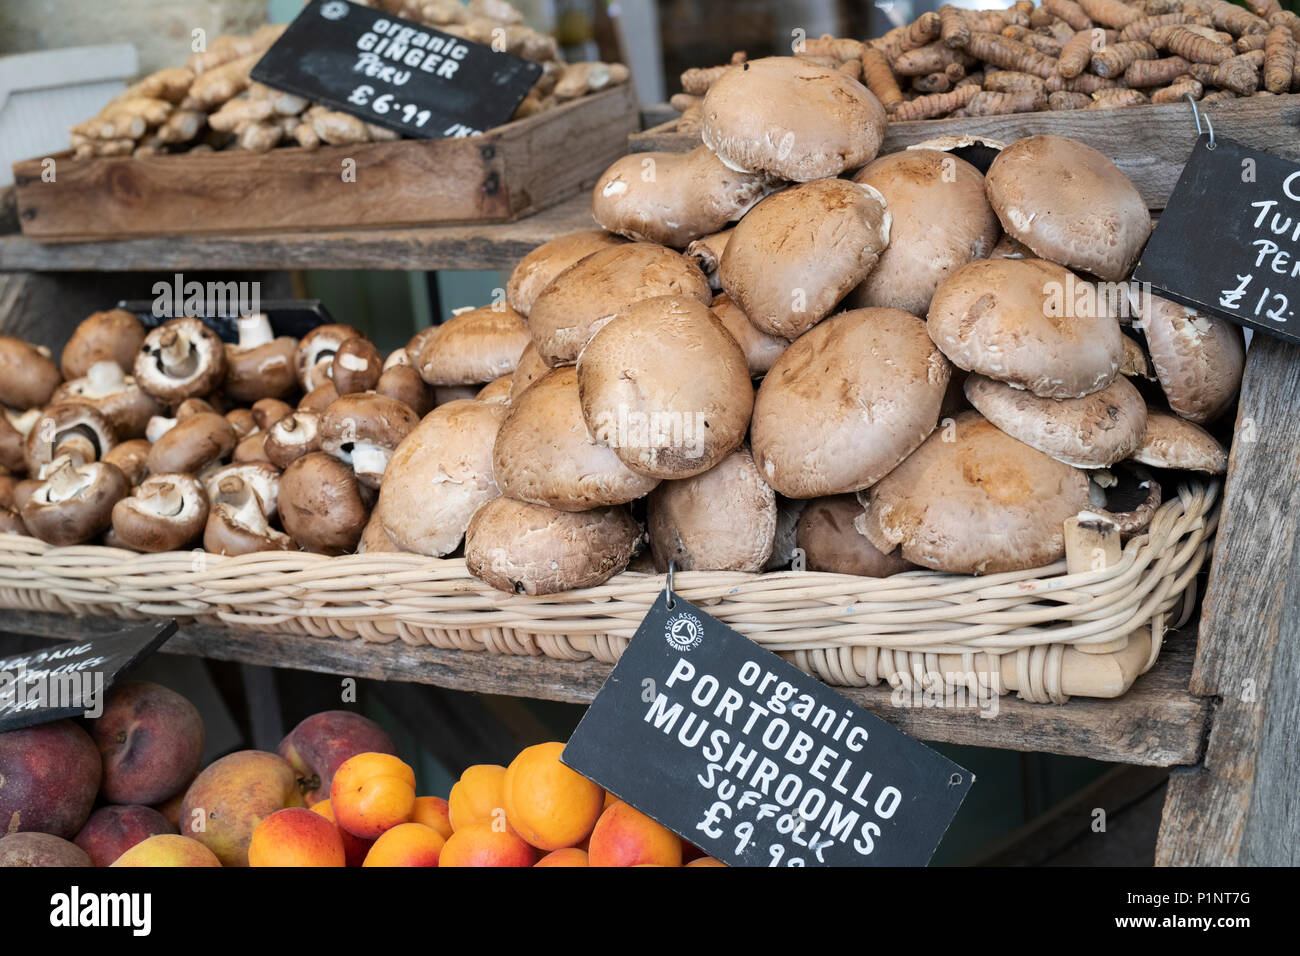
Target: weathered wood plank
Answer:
pixel 1149 143
pixel 505 173
pixel 474 246
pixel 1240 806
pixel 1157 723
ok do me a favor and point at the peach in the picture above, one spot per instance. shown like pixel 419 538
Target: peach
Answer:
pixel 624 836
pixel 40 849
pixel 318 745
pixel 171 807
pixel 478 796
pixel 49 775
pixel 232 796
pixel 296 837
pixel 407 844
pixel 548 804
pixel 371 793
pixel 480 844
pixel 168 849
pixel 705 861
pixel 569 856
pixel 354 848
pixel 113 830
pixel 433 812
pixel 151 740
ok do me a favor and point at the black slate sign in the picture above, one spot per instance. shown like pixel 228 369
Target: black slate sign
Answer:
pixel 395 73
pixel 1228 241
pixel 754 761
pixel 69 679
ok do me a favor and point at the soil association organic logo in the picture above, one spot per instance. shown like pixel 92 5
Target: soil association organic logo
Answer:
pixel 684 632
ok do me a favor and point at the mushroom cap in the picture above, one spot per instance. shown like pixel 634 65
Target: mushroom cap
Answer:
pixel 939 221
pixel 291 437
pixel 12 443
pixel 131 458
pixel 375 539
pixel 1173 442
pixel 723 519
pixel 761 350
pixel 530 369
pixel 27 377
pixel 1017 320
pixel 265 371
pixel 127 406
pixel 115 336
pixel 540 267
pixel 791 119
pixel 261 476
pixel 237 523
pixel 321 506
pixel 357 366
pixel 545 455
pixel 526 548
pixel 268 411
pixel 799 252
pixel 1070 204
pixel 163 513
pixel 667 387
pixel 1199 358
pixel 831 541
pixel 1089 432
pixel 74 503
pixel 363 429
pixel 316 352
pixel 250 448
pixel 63 427
pixel 439 476
pixel 190 444
pixel 180 359
pixel 1135 363
pixel 973 500
pixel 497 390
pixel 242 421
pixel 474 347
pixel 593 290
pixel 846 402
pixel 319 398
pixel 707 252
pixel 403 382
pixel 672 198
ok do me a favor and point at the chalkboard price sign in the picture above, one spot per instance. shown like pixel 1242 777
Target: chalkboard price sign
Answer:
pixel 754 761
pixel 70 679
pixel 395 73
pixel 1228 242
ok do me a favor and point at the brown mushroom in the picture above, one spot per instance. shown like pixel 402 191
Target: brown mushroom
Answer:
pixel 363 430
pixel 537 269
pixel 113 336
pixel 192 444
pixel 846 402
pixel 1199 358
pixel 544 453
pixel 707 252
pixel 321 506
pixel 291 437
pixel 242 421
pixel 268 411
pixel 473 347
pixel 74 502
pixel 1069 203
pixel 723 519
pixel 319 398
pixel 374 539
pixel 497 391
pixel 403 383
pixel 180 359
pixel 666 387
pixel 131 458
pixel 261 365
pixel 530 369
pixel 12 442
pixel 27 376
pixel 526 548
pixel 163 513
pixel 262 476
pixel 68 428
pixel 250 448
pixel 357 366
pixel 315 355
pixel 1018 321
pixel 799 252
pixel 831 542
pixel 791 119
pixel 127 406
pixel 439 476
pixel 1173 442
pixel 237 523
pixel 761 350
pixel 581 299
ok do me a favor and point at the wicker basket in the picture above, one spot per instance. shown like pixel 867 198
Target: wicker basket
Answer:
pixel 1040 632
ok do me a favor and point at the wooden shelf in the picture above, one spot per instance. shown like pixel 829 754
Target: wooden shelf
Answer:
pixel 1158 723
pixel 467 246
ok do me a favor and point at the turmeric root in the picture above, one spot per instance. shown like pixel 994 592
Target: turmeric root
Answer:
pixel 1078 51
pixel 1043 44
pixel 1085 83
pixel 697 80
pixel 1011 81
pixel 879 79
pixel 1177 91
pixel 1144 74
pixel 1285 18
pixel 837 48
pixel 1070 12
pixel 1279 60
pixel 932 83
pixel 1117 98
pixel 1236 20
pixel 1141 29
pixel 1253 41
pixel 852 68
pixel 931 58
pixel 985 103
pixel 924 29
pixel 953 29
pixel 1238 74
pixel 1065 100
pixel 1008 54
pixel 1115 59
pixel 1181 41
pixel 935 105
pixel 1111 13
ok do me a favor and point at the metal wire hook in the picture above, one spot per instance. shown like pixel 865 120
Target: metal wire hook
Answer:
pixel 668 585
pixel 1196 114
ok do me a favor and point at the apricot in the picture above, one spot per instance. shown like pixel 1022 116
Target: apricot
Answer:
pixel 151 742
pixel 40 849
pixel 371 793
pixel 168 849
pixel 49 775
pixel 433 812
pixel 548 804
pixel 407 844
pixel 296 837
pixel 569 856
pixel 111 831
pixel 705 861
pixel 232 796
pixel 481 844
pixel 478 796
pixel 624 836
pixel 354 848
pixel 319 745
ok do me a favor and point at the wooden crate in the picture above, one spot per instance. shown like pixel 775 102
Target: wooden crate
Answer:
pixel 506 173
pixel 1149 143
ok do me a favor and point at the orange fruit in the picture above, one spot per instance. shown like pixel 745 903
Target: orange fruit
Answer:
pixel 407 844
pixel 371 793
pixel 354 848
pixel 433 812
pixel 480 844
pixel 624 836
pixel 548 804
pixel 569 856
pixel 477 796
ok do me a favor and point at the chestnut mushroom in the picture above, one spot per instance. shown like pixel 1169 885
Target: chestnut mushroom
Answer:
pixel 403 383
pixel 27 376
pixel 68 428
pixel 261 364
pixel 1199 358
pixel 180 359
pixel 74 502
pixel 314 358
pixel 473 347
pixel 321 504
pixel 112 336
pixel 237 523
pixel 291 437
pixel 192 444
pixel 363 430
pixel 268 411
pixel 539 268
pixel 118 396
pixel 357 366
pixel 830 541
pixel 132 458
pixel 262 476
pixel 163 513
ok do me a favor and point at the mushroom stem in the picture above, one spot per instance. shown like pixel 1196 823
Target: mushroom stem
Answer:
pixel 368 459
pixel 102 379
pixel 176 354
pixel 254 331
pixel 163 499
pixel 23 422
pixel 158 426
pixel 64 480
pixel 76 446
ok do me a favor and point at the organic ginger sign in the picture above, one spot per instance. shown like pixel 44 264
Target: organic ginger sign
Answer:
pixel 754 761
pixel 395 73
